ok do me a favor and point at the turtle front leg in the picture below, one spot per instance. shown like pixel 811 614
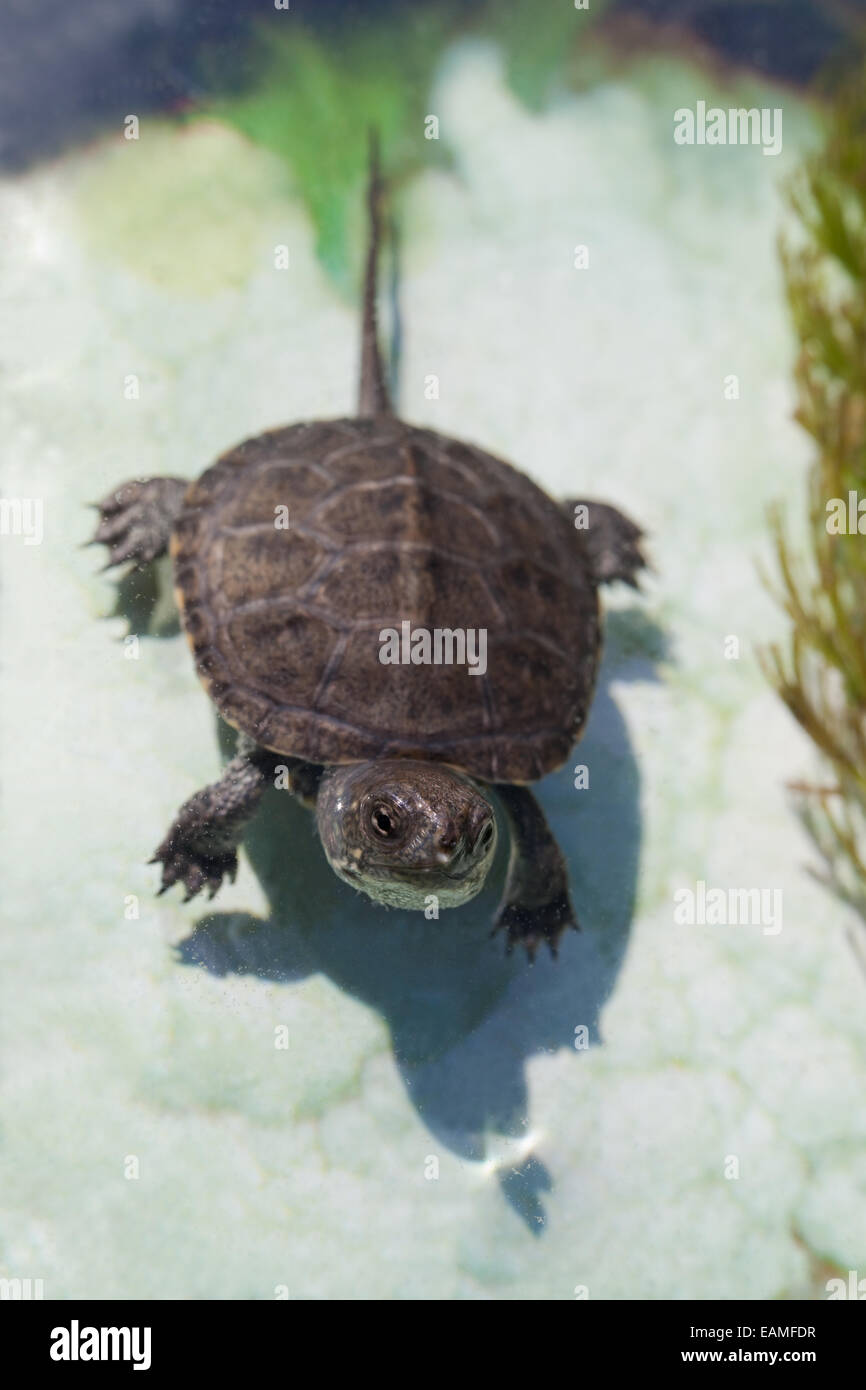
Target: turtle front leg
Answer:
pixel 201 846
pixel 136 520
pixel 300 778
pixel 535 906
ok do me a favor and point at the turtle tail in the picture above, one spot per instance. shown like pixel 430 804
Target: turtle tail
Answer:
pixel 373 398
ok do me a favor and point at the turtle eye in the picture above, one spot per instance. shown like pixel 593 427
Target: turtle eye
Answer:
pixel 384 822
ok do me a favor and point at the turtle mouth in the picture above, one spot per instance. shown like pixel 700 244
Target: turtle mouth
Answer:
pixel 440 871
pixel 455 866
pixel 414 889
pixel 412 873
pixel 410 885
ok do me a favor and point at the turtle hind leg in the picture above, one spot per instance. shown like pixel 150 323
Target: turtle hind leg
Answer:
pixel 535 906
pixel 613 541
pixel 136 519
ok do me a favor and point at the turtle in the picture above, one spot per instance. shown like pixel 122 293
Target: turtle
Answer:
pixel 320 569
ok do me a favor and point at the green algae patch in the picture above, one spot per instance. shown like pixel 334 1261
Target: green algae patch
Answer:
pixel 181 207
pixel 314 105
pixel 318 92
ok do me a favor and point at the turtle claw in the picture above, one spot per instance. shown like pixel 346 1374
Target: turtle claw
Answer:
pixel 529 926
pixel 193 868
pixel 135 520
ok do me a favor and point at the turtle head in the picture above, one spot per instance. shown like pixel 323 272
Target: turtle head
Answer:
pixel 402 831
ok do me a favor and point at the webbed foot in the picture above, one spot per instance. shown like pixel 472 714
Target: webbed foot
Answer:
pixel 536 906
pixel 530 926
pixel 612 540
pixel 201 846
pixel 135 520
pixel 186 864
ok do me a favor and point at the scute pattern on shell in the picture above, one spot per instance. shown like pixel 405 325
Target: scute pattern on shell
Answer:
pixel 388 522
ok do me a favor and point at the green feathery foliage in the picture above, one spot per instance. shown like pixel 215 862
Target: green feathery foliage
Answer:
pixel 820 672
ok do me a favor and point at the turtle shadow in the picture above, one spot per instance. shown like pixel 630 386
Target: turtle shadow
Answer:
pixel 464 1018
pixel 143 597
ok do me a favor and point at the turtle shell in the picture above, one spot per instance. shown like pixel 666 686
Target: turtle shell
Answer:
pixel 296 551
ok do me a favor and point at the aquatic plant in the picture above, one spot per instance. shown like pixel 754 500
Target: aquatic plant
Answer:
pixel 820 669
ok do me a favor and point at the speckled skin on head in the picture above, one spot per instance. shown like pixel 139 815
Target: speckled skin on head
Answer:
pixel 387 522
